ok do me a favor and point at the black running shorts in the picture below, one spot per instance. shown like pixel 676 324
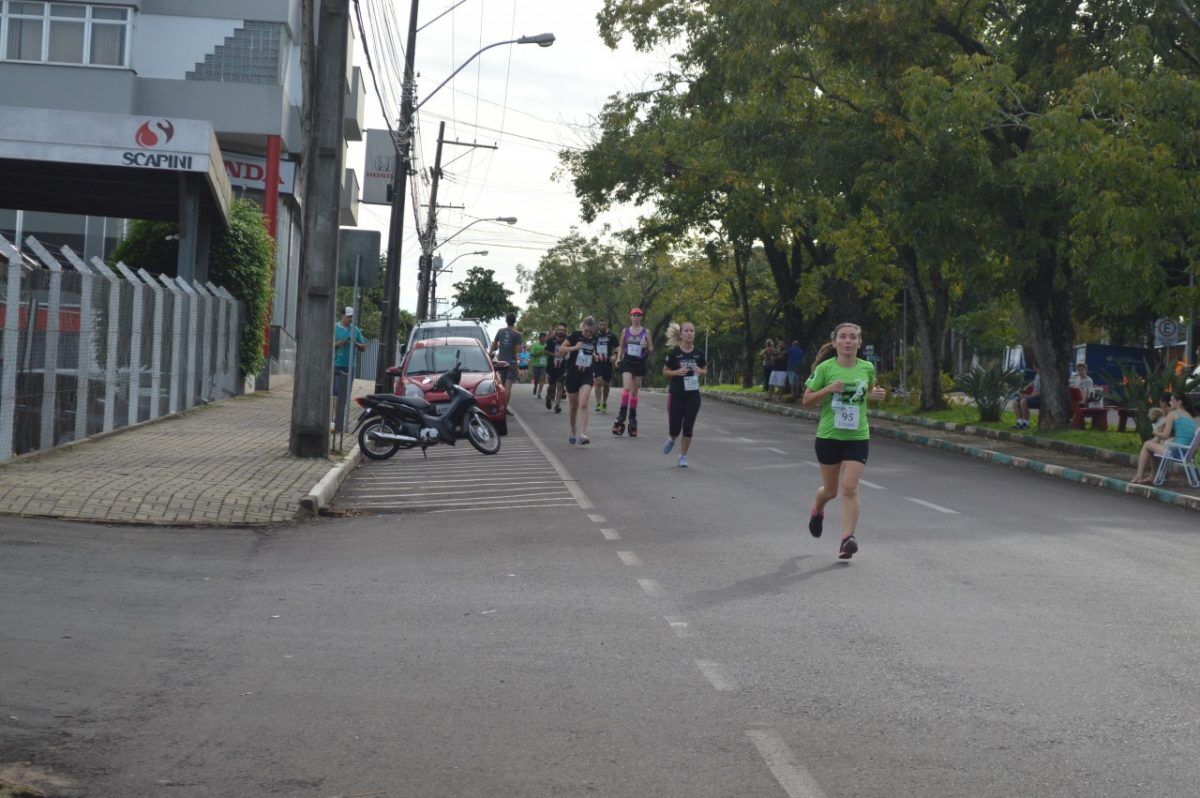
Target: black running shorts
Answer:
pixel 834 452
pixel 576 378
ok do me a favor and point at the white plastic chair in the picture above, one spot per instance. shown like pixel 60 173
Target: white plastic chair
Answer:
pixel 1186 457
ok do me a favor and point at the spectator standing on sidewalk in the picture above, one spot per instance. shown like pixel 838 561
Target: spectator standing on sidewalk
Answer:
pixel 768 365
pixel 346 338
pixel 505 346
pixel 795 361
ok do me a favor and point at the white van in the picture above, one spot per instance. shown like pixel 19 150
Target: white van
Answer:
pixel 450 328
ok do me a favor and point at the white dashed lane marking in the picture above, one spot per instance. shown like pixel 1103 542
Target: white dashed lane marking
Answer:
pixel 795 780
pixel 629 558
pixel 652 588
pixel 716 675
pixel 932 506
pixel 610 534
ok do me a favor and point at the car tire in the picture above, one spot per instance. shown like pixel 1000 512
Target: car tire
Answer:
pixel 501 426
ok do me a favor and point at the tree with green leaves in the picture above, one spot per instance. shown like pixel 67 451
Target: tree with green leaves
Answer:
pixel 481 296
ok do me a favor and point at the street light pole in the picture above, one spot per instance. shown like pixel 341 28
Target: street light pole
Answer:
pixel 426 278
pixel 433 275
pixel 389 324
pixel 390 321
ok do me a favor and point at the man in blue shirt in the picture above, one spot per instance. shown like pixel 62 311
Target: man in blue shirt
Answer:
pixel 345 333
pixel 795 359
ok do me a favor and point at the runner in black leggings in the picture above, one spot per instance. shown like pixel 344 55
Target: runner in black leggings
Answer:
pixel 685 366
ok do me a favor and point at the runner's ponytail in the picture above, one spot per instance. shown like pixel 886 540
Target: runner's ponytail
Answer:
pixel 673 334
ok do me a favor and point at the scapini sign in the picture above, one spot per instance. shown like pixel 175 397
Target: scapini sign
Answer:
pixel 155 133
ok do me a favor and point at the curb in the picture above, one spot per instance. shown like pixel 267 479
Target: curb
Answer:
pixel 322 493
pixel 980 453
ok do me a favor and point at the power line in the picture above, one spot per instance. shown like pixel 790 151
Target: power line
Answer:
pixel 374 78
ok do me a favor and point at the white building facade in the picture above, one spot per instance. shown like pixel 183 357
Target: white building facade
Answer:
pixel 232 63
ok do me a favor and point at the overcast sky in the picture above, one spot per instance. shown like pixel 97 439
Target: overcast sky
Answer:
pixel 531 101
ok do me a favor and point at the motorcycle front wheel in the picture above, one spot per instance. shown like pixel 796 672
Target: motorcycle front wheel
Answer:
pixel 374 449
pixel 482 434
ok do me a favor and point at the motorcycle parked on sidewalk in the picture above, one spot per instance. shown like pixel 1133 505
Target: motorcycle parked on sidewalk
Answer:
pixel 390 422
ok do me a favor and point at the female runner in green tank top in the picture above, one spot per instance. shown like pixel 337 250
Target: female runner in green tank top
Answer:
pixel 841 383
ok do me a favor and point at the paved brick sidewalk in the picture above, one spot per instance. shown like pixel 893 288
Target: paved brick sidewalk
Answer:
pixel 222 464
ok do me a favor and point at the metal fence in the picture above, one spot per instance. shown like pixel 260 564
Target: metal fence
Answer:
pixel 368 360
pixel 86 349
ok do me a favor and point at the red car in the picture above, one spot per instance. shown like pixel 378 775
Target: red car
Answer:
pixel 429 358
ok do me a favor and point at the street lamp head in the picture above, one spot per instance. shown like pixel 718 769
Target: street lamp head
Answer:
pixel 509 219
pixel 541 40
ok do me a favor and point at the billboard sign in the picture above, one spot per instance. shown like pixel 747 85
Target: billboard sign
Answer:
pixel 379 168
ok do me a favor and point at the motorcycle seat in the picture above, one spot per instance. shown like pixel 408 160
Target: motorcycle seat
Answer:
pixel 411 401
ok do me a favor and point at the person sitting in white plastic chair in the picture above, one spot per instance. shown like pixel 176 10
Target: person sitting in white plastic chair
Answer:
pixel 1174 442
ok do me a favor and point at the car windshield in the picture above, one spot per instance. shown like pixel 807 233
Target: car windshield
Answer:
pixel 437 359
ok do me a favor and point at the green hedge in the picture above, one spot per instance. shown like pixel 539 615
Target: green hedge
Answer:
pixel 240 260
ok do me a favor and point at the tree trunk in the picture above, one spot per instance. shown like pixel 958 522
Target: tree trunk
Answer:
pixel 1046 302
pixel 930 325
pixel 741 264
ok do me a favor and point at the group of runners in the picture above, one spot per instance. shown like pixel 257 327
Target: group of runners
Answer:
pixel 583 363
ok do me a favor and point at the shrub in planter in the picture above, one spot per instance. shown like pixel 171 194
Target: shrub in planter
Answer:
pixel 989 387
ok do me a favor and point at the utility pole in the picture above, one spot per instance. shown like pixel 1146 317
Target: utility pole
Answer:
pixel 389 323
pixel 427 280
pixel 426 269
pixel 319 238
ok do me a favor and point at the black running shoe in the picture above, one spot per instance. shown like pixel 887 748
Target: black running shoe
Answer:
pixel 618 428
pixel 633 427
pixel 816 524
pixel 848 549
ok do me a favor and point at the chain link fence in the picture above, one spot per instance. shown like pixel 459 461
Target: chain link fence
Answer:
pixel 86 349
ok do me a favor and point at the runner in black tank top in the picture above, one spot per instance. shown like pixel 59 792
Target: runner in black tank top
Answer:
pixel 635 351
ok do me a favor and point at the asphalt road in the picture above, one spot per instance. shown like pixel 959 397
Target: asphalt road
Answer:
pixel 999 634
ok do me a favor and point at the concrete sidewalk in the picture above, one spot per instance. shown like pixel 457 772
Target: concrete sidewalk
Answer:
pixel 223 464
pixel 1083 464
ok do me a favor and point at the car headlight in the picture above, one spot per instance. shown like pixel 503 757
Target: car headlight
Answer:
pixel 413 391
pixel 485 387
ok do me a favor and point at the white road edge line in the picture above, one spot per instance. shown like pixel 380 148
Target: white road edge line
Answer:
pixel 792 777
pixel 777 451
pixel 812 463
pixel 584 502
pixel 932 506
pixel 610 534
pixel 715 673
pixel 871 485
